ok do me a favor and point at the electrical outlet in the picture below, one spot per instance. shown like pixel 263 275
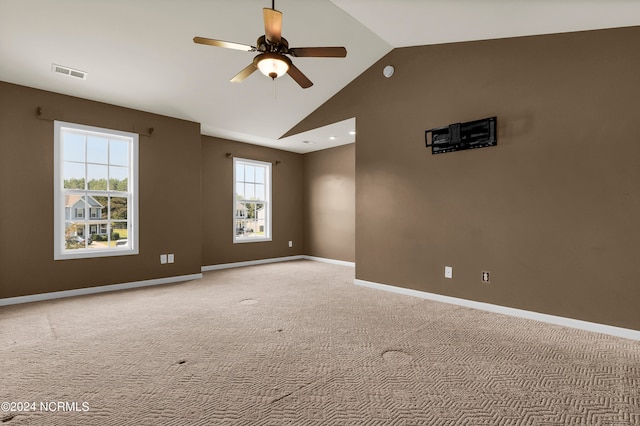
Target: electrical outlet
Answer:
pixel 485 276
pixel 448 271
pixel 170 258
pixel 163 259
pixel 290 243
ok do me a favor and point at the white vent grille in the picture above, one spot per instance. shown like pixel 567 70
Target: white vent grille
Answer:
pixel 70 72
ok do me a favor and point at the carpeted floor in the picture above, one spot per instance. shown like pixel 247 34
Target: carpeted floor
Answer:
pixel 298 343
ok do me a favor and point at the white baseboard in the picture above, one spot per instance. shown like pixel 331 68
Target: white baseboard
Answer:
pixel 124 286
pixel 333 261
pixel 552 319
pixel 274 260
pixel 93 290
pixel 249 263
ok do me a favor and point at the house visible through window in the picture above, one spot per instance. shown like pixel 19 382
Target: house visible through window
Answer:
pixel 251 201
pixel 96 206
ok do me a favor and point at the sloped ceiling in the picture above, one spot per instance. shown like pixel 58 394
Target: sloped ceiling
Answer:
pixel 140 54
pixel 403 23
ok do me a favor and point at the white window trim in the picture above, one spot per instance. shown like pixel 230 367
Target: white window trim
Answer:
pixel 59 252
pixel 268 202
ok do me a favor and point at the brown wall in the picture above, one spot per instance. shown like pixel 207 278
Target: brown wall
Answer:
pixel 167 182
pixel 551 211
pixel 217 203
pixel 176 214
pixel 329 203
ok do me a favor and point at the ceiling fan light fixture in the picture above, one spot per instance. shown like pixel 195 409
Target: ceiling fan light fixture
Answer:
pixel 273 65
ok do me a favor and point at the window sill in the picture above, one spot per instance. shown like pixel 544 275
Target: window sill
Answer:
pixel 251 240
pixel 88 254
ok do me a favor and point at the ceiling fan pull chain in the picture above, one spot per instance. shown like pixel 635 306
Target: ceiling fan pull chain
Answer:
pixel 275 93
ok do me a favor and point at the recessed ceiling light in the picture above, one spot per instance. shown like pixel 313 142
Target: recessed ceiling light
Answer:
pixel 353 132
pixel 309 142
pixel 333 138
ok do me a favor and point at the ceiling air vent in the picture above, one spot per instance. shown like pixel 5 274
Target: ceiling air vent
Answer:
pixel 60 69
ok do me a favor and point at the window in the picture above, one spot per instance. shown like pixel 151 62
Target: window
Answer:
pixel 95 171
pixel 251 201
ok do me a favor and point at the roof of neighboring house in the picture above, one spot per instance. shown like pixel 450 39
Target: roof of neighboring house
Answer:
pixel 70 200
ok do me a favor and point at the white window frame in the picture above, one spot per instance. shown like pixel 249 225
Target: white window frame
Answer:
pixel 266 202
pixel 59 251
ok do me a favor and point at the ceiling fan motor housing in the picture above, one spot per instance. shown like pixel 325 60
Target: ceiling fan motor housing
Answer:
pixel 264 45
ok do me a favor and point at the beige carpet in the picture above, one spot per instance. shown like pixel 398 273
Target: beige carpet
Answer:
pixel 297 343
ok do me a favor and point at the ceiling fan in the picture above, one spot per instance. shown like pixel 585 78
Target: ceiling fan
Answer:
pixel 271 60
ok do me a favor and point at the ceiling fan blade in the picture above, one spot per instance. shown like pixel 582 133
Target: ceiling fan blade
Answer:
pixel 300 78
pixel 225 44
pixel 272 25
pixel 318 52
pixel 246 72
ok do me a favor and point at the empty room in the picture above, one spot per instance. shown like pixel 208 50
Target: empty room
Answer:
pixel 319 212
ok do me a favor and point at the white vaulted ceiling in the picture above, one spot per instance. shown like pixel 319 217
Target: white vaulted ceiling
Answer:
pixel 140 54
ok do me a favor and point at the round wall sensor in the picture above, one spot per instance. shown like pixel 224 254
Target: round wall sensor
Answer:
pixel 388 71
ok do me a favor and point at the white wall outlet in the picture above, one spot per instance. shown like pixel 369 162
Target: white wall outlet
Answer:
pixel 163 259
pixel 448 271
pixel 486 276
pixel 170 258
pixel 290 243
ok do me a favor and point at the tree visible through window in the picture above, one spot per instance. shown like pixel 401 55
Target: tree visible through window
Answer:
pixel 95 191
pixel 252 200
